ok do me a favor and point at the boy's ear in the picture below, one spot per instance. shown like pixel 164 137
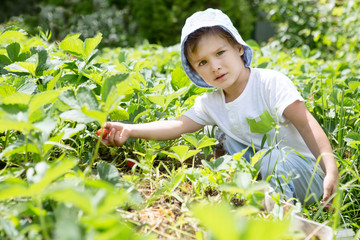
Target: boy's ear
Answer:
pixel 241 49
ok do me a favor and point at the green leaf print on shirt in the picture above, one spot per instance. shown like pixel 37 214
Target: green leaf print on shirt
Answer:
pixel 261 124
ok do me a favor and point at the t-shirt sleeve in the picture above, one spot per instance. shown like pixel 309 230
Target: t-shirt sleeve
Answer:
pixel 198 112
pixel 283 94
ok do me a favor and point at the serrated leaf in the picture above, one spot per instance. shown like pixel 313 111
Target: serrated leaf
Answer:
pixel 6 90
pixel 4 60
pixel 52 83
pixel 77 116
pixel 119 115
pixel 69 132
pixel 219 220
pixel 17 98
pixel 22 67
pixel 108 172
pixel 179 79
pixel 110 83
pixel 191 139
pixel 143 113
pixel 13 51
pixel 70 195
pixel 95 114
pixel 146 63
pixel 10 35
pixel 68 97
pixel 55 171
pixel 91 44
pixel 87 98
pixel 158 99
pixel 73 45
pixel 11 190
pixel 182 152
pixel 206 141
pixel 41 99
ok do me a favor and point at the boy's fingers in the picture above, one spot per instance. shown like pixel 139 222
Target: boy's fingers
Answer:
pixel 118 139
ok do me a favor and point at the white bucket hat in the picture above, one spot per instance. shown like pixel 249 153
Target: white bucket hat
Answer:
pixel 208 18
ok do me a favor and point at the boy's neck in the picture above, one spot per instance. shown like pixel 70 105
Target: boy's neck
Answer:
pixel 235 91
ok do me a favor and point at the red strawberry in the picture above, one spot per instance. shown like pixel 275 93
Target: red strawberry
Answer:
pixel 105 133
pixel 130 164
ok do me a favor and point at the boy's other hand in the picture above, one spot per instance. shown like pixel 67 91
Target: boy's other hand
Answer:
pixel 329 185
pixel 117 135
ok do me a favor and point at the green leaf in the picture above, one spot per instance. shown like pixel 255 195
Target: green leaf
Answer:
pixel 179 79
pixel 91 44
pixel 13 51
pixel 55 171
pixel 77 116
pixel 17 98
pixel 69 132
pixel 73 45
pixel 6 90
pixel 108 172
pixel 158 99
pixel 66 218
pixel 4 60
pixel 143 113
pixel 12 188
pixel 219 220
pixel 95 114
pixel 25 67
pixel 119 115
pixel 71 195
pixel 52 83
pixel 181 152
pixel 87 98
pixel 190 137
pixel 41 99
pixel 135 80
pixel 146 63
pixel 354 85
pixel 11 35
pixel 110 83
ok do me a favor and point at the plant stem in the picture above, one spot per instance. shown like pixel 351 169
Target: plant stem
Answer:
pixel 42 219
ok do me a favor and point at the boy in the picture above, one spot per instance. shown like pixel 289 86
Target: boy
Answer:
pixel 247 104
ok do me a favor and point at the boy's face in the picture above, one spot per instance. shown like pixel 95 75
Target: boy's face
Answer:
pixel 218 62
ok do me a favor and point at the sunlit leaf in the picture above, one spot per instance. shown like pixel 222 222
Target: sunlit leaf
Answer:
pixel 179 79
pixel 41 99
pixel 158 99
pixel 77 116
pixel 119 115
pixel 55 171
pixel 73 45
pixel 91 44
pixel 87 98
pixel 219 220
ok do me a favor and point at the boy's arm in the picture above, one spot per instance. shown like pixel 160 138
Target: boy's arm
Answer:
pixel 159 130
pixel 317 141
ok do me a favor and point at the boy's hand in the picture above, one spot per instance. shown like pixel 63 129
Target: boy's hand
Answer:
pixel 117 135
pixel 329 186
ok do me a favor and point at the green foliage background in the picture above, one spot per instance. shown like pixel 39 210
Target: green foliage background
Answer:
pixel 124 23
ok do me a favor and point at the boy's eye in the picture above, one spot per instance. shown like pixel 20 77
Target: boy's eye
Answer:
pixel 202 63
pixel 220 53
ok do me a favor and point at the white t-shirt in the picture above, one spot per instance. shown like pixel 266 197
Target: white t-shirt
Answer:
pixel 255 112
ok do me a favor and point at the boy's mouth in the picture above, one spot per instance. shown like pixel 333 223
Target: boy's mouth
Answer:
pixel 220 76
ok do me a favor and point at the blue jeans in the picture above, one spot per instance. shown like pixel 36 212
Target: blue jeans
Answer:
pixel 286 171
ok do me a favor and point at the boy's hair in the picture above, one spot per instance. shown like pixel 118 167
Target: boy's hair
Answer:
pixel 193 39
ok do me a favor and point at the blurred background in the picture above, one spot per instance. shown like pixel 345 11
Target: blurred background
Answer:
pixel 126 23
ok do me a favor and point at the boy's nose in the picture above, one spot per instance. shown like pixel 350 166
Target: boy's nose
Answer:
pixel 215 65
